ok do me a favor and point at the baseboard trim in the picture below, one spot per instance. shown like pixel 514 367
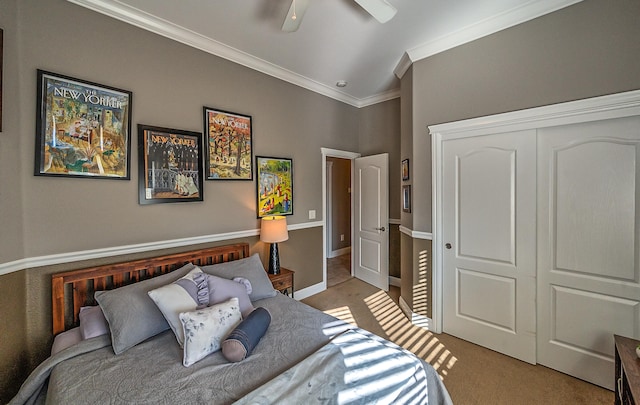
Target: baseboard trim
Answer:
pixel 394 281
pixel 340 252
pixel 416 319
pixel 309 291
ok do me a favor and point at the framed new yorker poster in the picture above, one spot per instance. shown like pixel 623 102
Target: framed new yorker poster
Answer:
pixel 229 145
pixel 274 186
pixel 82 128
pixel 170 165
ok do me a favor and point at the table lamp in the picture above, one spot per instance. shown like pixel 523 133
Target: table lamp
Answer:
pixel 274 230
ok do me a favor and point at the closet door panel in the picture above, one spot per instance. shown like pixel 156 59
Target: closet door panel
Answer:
pixel 489 256
pixel 588 228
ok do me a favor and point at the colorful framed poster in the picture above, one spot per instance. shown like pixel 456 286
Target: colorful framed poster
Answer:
pixel 170 165
pixel 82 128
pixel 274 186
pixel 406 198
pixel 229 145
pixel 405 170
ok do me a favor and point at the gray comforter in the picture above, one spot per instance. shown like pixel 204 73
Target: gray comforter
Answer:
pixel 152 372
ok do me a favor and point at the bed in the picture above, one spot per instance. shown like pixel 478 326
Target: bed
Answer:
pixel 284 351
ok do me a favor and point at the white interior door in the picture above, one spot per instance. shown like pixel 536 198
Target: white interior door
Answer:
pixel 588 245
pixel 371 220
pixel 489 211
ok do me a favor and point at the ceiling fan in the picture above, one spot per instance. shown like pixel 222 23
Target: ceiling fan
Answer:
pixel 381 10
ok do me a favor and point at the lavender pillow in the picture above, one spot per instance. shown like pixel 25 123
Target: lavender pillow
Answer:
pixel 92 322
pixel 221 290
pixel 66 339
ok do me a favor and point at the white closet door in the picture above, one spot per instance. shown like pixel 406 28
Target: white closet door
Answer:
pixel 489 236
pixel 588 245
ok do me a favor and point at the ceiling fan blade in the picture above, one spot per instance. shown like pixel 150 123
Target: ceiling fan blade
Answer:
pixel 381 10
pixel 297 8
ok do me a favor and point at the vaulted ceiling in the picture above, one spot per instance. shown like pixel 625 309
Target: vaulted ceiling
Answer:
pixel 337 40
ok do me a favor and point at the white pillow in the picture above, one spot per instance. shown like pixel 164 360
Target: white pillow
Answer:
pixel 185 294
pixel 205 329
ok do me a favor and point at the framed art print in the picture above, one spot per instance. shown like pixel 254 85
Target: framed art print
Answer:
pixel 82 128
pixel 170 165
pixel 274 186
pixel 405 170
pixel 406 198
pixel 229 145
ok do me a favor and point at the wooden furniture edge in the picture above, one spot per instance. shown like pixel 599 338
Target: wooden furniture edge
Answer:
pixel 83 283
pixel 625 352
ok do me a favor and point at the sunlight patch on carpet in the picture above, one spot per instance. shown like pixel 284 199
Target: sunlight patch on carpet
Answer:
pixel 342 313
pixel 402 332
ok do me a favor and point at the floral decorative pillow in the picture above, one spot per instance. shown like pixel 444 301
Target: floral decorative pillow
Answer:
pixel 205 329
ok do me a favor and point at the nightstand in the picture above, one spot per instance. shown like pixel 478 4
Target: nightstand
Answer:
pixel 282 281
pixel 627 371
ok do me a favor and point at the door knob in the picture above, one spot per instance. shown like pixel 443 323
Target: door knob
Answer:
pixel 381 229
pixel 447 245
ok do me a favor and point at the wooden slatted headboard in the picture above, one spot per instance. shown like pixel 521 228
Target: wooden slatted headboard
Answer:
pixel 74 289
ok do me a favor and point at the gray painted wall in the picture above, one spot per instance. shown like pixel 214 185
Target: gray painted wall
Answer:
pixel 589 49
pixel 170 84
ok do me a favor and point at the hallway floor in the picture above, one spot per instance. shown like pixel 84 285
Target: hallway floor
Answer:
pixel 338 269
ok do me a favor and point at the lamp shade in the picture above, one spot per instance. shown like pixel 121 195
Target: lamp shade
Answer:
pixel 274 229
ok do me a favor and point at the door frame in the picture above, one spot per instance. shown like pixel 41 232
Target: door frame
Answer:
pixel 592 109
pixel 336 153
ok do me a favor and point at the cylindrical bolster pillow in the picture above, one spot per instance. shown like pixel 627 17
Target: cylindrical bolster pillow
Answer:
pixel 244 338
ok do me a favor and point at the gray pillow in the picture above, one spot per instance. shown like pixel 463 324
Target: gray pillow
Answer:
pixel 250 268
pixel 132 315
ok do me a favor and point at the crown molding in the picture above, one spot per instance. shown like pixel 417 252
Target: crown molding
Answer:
pixel 517 15
pixel 403 65
pixel 149 22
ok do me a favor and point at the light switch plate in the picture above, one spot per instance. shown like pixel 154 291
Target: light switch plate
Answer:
pixel 312 214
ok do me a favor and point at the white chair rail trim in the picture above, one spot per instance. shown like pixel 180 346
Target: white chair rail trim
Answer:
pixel 416 234
pixel 48 260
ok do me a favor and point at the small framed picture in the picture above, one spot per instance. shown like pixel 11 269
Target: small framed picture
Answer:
pixel 406 198
pixel 82 128
pixel 274 187
pixel 170 165
pixel 229 145
pixel 405 170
